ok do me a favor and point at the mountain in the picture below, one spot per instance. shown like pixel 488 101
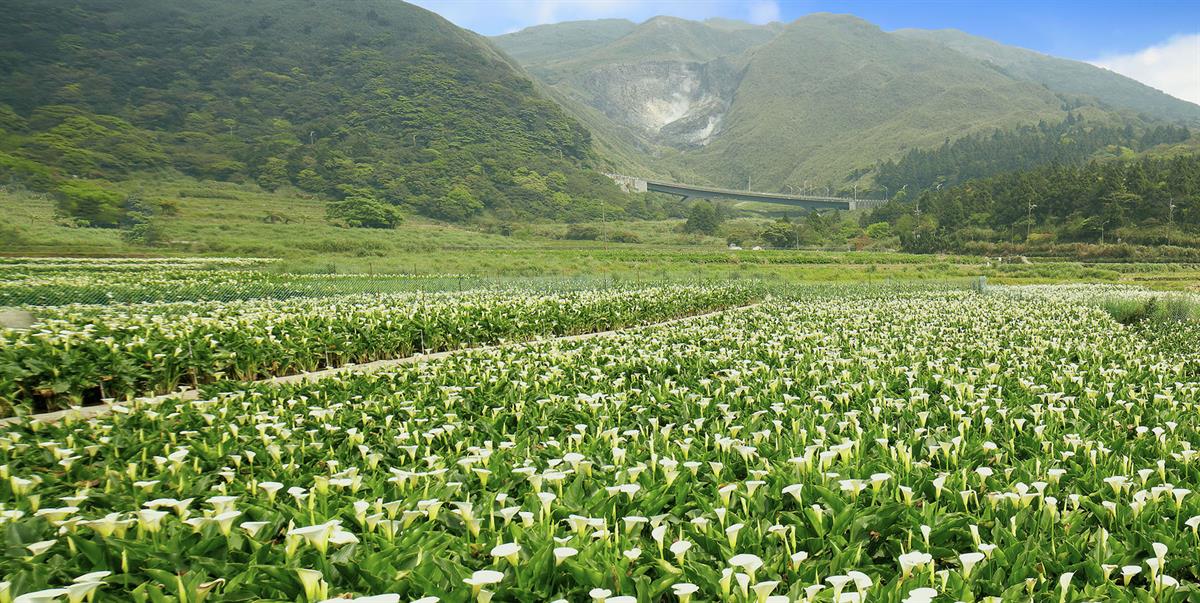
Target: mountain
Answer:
pixel 546 43
pixel 563 49
pixel 375 101
pixel 1064 76
pixel 820 101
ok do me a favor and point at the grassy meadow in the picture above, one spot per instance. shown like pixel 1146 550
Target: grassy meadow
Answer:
pixel 240 220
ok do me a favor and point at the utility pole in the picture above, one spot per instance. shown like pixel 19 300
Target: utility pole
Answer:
pixel 1170 219
pixel 856 191
pixel 604 219
pixel 1029 221
pixel 885 192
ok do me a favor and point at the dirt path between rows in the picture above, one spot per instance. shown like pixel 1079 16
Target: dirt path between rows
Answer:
pixel 87 412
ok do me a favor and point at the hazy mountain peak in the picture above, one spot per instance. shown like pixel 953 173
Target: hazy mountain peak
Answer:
pixel 726 23
pixel 1063 76
pixel 823 97
pixel 835 20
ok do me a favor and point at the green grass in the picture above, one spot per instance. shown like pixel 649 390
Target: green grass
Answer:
pixel 225 219
pixel 1164 310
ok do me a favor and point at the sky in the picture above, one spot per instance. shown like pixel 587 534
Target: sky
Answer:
pixel 1154 41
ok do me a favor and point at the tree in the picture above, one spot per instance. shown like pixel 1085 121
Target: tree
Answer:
pixel 880 231
pixel 780 234
pixel 456 206
pixel 273 174
pixel 138 223
pixel 363 212
pixel 702 218
pixel 309 180
pixel 91 203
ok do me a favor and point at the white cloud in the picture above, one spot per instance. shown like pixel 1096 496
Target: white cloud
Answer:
pixel 492 17
pixel 764 11
pixel 1172 66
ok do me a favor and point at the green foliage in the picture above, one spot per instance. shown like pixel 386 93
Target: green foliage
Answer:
pixel 457 205
pixel 91 203
pixel 1166 310
pixel 1149 200
pixel 382 97
pixel 780 234
pixel 364 212
pixel 1072 141
pixel 703 217
pixel 582 232
pixel 273 174
pixel 138 223
pixel 10 122
pixel 879 231
pixel 86 144
pixel 19 170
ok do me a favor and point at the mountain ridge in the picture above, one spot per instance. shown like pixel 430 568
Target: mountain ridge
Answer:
pixel 1064 75
pixel 687 114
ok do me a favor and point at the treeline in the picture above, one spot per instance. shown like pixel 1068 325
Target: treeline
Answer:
pixel 1069 142
pixel 1147 201
pixel 370 103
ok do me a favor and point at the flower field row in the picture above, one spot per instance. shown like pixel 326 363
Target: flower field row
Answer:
pixel 112 286
pixel 894 448
pixel 1090 293
pixel 126 263
pixel 39 286
pixel 78 354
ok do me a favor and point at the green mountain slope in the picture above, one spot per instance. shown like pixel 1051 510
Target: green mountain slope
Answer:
pixel 1066 77
pixel 553 52
pixel 377 101
pixel 831 93
pixel 820 101
pixel 561 41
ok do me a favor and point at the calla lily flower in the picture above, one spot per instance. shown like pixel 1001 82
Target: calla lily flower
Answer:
pixel 563 553
pixel 508 551
pixel 49 595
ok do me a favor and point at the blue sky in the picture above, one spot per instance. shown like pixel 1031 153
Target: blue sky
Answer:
pixel 1157 42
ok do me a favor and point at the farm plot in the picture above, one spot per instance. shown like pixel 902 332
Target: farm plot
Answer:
pixel 41 282
pixel 902 447
pixel 79 354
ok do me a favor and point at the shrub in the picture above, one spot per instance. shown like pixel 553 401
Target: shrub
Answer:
pixel 582 232
pixel 625 237
pixel 363 212
pixel 457 206
pixel 703 218
pixel 90 203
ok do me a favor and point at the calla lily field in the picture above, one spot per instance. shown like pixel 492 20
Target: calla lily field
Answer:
pixel 810 445
pixel 79 352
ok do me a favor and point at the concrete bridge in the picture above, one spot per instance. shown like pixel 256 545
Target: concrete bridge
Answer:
pixel 633 184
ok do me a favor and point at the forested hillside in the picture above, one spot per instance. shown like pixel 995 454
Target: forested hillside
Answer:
pixel 1071 141
pixel 1149 201
pixel 379 104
